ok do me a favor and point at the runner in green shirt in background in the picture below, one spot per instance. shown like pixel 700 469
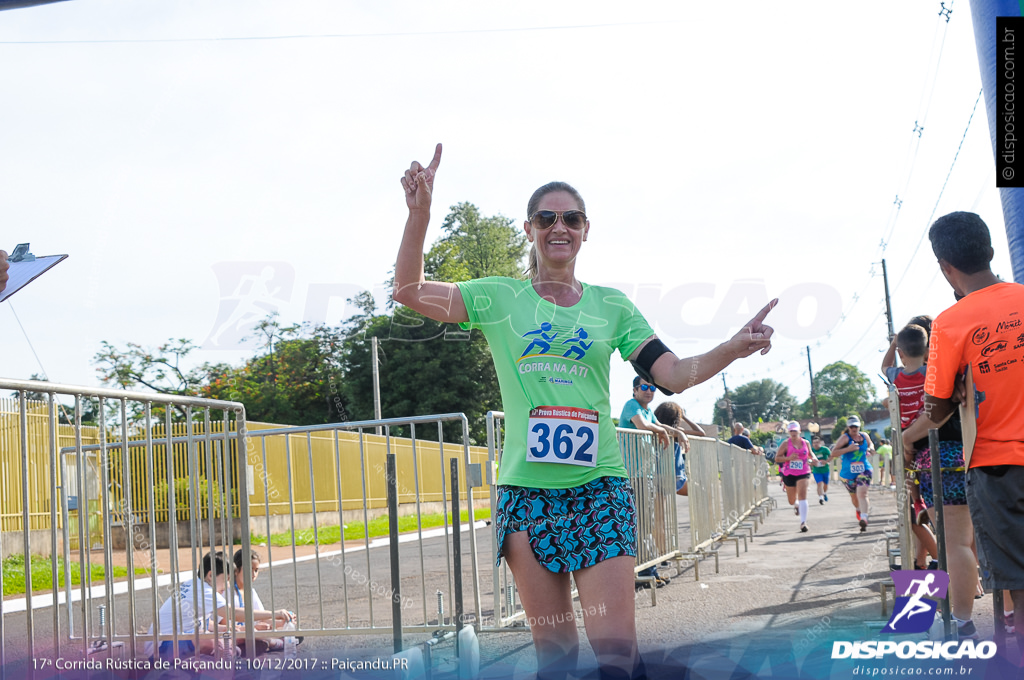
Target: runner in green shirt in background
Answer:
pixel 821 469
pixel 885 463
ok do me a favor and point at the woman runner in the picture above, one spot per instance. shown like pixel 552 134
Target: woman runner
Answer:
pixel 855 473
pixel 564 501
pixel 794 458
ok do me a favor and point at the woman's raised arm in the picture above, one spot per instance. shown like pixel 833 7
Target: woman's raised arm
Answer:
pixel 437 300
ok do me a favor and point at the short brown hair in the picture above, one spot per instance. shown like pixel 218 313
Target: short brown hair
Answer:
pixel 912 340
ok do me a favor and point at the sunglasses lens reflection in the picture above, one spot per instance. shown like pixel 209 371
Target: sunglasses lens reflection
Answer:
pixel 545 218
pixel 574 219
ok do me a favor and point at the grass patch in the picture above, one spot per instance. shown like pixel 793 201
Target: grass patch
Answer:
pixel 13 569
pixel 355 530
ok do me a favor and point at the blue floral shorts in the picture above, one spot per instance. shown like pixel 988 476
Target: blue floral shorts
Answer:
pixel 570 529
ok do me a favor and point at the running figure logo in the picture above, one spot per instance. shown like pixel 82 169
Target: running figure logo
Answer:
pixel 542 338
pixel 911 612
pixel 542 342
pixel 249 291
pixel 577 345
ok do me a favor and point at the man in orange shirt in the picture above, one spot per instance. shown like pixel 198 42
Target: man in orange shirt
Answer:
pixel 984 329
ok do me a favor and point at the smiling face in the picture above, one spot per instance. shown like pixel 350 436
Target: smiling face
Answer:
pixel 557 245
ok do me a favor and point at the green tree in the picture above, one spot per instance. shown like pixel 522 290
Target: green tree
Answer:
pixel 474 246
pixel 842 389
pixel 765 399
pixel 762 439
pixel 161 370
pixel 290 379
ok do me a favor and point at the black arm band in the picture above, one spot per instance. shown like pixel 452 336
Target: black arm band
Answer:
pixel 645 361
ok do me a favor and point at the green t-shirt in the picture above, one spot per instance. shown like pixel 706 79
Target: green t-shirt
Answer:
pixel 822 455
pixel 884 451
pixel 546 355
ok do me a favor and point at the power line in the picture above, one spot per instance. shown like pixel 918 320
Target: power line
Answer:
pixel 870 327
pixel 923 109
pixel 935 209
pixel 344 36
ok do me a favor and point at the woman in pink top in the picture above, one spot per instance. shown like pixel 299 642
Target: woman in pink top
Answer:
pixel 794 463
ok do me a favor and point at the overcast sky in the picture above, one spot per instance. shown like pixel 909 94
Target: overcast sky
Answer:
pixel 727 152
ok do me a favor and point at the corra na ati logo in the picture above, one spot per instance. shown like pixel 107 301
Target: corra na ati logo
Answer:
pixel 541 342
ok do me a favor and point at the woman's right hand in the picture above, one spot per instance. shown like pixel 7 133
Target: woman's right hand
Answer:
pixel 418 183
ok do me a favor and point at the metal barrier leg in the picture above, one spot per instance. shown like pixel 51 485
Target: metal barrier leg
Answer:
pixel 457 549
pixel 396 579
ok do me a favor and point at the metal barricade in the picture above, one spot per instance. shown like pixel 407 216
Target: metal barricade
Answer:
pixel 652 472
pixel 336 580
pixel 705 494
pixel 507 607
pixel 96 616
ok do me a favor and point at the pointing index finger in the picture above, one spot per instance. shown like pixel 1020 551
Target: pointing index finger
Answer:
pixel 756 321
pixel 436 160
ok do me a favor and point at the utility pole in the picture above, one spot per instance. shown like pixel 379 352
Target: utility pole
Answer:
pixel 728 401
pixel 888 303
pixel 814 395
pixel 376 385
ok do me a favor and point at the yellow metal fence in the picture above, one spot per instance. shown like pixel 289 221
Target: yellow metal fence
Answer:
pixel 352 460
pixel 283 470
pixel 37 417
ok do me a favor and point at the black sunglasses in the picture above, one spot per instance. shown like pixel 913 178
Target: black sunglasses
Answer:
pixel 544 219
pixel 644 388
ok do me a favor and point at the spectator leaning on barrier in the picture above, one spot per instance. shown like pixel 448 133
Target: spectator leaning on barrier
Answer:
pixel 757 450
pixel 636 415
pixel 984 330
pixel 673 415
pixel 740 439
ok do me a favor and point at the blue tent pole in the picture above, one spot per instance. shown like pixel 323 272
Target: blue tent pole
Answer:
pixel 984 13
